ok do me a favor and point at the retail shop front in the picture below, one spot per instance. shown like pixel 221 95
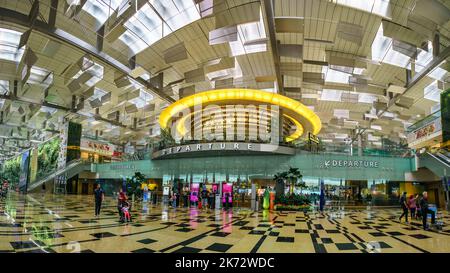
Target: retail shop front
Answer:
pixel 233 141
pixel 235 171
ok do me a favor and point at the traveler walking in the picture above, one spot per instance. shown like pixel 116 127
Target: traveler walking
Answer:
pixel 412 206
pixel 425 211
pixel 121 199
pixel 418 210
pixel 204 198
pixel 99 197
pixel 404 205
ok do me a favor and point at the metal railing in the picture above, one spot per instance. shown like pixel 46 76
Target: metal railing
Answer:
pixel 300 147
pixel 426 120
pixel 69 170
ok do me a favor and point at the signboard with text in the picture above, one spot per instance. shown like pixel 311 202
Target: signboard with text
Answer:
pixel 424 133
pixel 224 146
pixel 97 147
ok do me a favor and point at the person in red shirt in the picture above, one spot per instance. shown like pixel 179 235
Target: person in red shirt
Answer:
pixel 121 199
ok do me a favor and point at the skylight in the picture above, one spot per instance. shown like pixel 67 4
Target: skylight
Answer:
pixel 123 6
pixel 101 10
pixel 331 95
pixel 335 76
pixel 438 73
pixel 142 100
pixel 176 13
pixel 424 57
pixel 235 72
pixel 340 136
pixel 358 71
pixel 342 113
pixel 49 110
pixel 4 87
pixel 143 29
pixel 432 92
pixel 9 41
pixel 40 76
pixel 382 51
pixel 251 38
pixel 376 127
pixel 98 93
pixel 146 26
pixel 379 7
pixel 366 98
pixel 97 72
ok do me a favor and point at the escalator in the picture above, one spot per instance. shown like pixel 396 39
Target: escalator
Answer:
pixel 72 168
pixel 438 162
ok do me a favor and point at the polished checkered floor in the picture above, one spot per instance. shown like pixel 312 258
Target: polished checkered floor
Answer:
pixel 56 223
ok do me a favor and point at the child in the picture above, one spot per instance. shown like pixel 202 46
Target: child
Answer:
pixel 126 212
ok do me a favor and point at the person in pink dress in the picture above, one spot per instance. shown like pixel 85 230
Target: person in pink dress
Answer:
pixel 412 206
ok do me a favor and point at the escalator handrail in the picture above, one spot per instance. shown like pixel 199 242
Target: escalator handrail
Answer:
pixel 439 159
pixel 69 166
pixel 443 157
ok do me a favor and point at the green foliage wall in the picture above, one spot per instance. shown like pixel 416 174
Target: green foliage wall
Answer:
pixel 48 157
pixel 47 162
pixel 11 170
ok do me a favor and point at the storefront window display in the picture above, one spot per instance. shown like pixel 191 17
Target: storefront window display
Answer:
pixel 195 187
pixel 227 195
pixel 95 151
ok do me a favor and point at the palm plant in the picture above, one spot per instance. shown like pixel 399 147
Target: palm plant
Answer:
pixel 134 184
pixel 279 178
pixel 292 176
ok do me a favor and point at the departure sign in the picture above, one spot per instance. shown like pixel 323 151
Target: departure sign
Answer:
pixel 224 146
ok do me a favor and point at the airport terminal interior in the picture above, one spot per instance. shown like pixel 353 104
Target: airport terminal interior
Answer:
pixel 224 126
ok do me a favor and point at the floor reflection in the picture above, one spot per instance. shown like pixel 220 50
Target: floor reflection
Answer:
pixel 50 223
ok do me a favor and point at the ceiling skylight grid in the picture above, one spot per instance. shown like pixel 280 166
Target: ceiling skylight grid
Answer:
pixel 9 41
pixel 176 13
pixel 382 51
pixel 101 10
pixel 40 76
pixel 332 75
pixel 157 19
pixel 251 38
pixel 378 7
pixel 143 29
pixel 96 70
pixel 432 92
pixel 331 95
pixel 4 87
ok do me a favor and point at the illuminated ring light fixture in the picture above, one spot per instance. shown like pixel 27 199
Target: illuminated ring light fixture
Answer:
pixel 304 118
pixel 181 129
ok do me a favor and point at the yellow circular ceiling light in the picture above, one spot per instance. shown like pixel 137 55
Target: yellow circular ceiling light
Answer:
pixel 304 119
pixel 181 129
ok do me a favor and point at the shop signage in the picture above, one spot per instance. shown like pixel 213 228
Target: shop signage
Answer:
pixel 97 147
pixel 224 146
pixel 427 132
pixel 349 164
pixel 122 167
